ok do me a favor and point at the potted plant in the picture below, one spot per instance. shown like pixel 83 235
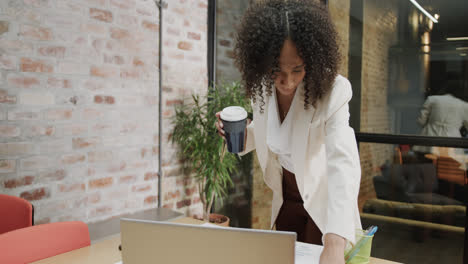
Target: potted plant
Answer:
pixel 202 150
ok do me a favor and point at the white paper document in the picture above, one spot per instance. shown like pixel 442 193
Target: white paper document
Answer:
pixel 307 253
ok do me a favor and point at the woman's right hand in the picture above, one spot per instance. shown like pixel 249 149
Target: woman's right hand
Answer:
pixel 219 125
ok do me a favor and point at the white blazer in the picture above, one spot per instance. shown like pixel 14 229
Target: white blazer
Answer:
pixel 443 115
pixel 325 157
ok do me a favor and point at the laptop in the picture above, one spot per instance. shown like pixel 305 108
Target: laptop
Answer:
pixel 150 242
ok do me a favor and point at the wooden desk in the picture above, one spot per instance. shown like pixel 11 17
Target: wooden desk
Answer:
pixel 106 251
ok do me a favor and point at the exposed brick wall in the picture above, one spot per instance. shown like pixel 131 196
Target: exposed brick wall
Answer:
pixel 379 34
pixel 78 103
pixel 229 14
pixel 339 11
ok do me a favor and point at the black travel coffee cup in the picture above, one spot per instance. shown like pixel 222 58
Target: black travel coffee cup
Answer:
pixel 234 120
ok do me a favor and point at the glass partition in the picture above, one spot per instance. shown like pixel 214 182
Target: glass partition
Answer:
pixel 417 204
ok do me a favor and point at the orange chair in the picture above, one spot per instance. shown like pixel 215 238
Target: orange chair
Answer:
pixel 449 169
pixel 15 213
pixel 34 243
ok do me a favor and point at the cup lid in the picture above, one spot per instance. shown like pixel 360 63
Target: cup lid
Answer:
pixel 233 113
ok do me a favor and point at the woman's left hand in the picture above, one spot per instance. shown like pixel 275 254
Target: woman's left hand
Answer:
pixel 333 250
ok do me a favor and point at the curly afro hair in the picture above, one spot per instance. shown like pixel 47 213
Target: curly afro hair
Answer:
pixel 260 37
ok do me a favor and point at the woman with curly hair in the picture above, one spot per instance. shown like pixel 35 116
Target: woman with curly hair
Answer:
pixel 288 56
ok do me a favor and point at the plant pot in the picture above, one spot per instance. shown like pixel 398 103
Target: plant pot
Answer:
pixel 217 219
pixel 220 220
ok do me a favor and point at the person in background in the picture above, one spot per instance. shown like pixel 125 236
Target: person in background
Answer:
pixel 444 114
pixel 288 56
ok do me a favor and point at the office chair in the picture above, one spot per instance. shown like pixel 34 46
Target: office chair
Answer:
pixel 15 213
pixel 34 243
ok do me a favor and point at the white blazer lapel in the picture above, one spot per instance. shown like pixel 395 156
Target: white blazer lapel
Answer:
pixel 260 120
pixel 300 142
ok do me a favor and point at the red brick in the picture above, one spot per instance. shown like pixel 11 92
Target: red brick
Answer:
pixel 36 33
pixel 101 183
pixel 172 195
pixel 52 51
pixel 73 159
pixel 80 143
pixel 127 179
pixel 14 183
pixel 22 82
pixel 100 14
pixel 194 36
pixel 152 199
pixel 103 99
pixel 36 194
pixel 59 114
pixel 29 65
pixel 184 203
pixel 129 74
pixel 74 187
pixel 174 102
pixel 118 33
pixel 190 191
pixel 141 188
pixel 184 45
pixel 59 83
pixel 114 59
pixel 169 206
pixel 8 130
pixel 183 182
pixel 225 43
pixel 104 72
pixel 151 176
pixel 7 99
pixel 138 62
pixel 150 26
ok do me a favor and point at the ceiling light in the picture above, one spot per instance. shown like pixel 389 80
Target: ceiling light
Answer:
pixel 424 11
pixel 463 54
pixel 462 48
pixel 457 38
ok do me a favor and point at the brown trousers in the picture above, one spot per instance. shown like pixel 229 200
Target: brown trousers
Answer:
pixel 293 216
